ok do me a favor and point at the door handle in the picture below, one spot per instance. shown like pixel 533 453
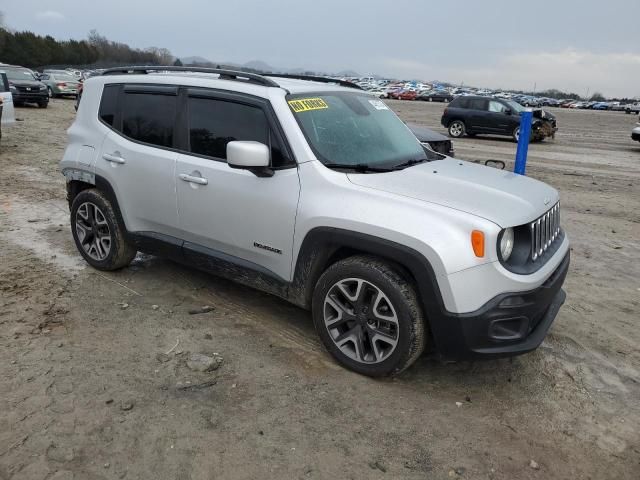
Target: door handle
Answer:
pixel 193 179
pixel 113 158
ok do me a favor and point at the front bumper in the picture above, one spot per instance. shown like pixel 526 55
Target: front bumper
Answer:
pixel 509 324
pixel 28 97
pixel 635 134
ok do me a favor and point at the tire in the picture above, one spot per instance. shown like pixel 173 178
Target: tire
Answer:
pixel 50 91
pixel 457 129
pixel 516 134
pixel 43 104
pixel 370 345
pixel 92 215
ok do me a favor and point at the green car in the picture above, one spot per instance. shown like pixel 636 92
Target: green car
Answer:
pixel 60 84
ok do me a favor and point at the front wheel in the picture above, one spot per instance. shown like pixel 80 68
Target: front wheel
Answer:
pixel 43 104
pixel 98 232
pixel 457 129
pixel 368 316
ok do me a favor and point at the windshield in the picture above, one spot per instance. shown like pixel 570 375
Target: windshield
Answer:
pixel 515 106
pixel 354 129
pixel 19 74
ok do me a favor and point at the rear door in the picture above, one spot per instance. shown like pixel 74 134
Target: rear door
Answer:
pixel 230 213
pixel 138 156
pixel 8 113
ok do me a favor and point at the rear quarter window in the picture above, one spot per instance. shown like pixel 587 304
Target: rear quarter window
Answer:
pixel 109 104
pixel 460 102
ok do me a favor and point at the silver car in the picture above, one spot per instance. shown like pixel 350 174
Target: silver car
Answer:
pixel 318 193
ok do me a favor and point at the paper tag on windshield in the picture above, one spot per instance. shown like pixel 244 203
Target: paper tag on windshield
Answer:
pixel 378 105
pixel 306 104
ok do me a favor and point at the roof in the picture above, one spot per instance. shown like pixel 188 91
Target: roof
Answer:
pixel 221 78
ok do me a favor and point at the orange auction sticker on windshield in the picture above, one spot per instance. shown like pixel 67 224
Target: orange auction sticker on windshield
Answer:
pixel 306 104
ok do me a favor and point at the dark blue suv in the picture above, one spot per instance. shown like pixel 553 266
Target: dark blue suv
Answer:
pixel 472 115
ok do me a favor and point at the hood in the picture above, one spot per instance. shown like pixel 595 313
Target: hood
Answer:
pixel 26 83
pixel 425 135
pixel 540 113
pixel 499 196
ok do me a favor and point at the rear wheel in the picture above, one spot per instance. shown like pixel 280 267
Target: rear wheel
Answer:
pixel 457 129
pixel 98 232
pixel 368 316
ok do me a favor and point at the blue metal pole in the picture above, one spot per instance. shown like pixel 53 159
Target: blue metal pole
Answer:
pixel 523 142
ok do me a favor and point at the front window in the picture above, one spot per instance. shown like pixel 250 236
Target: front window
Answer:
pixel 345 128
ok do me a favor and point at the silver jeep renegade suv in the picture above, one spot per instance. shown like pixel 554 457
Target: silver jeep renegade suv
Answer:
pixel 318 193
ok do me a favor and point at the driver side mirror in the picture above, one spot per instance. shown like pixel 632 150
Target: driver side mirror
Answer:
pixel 507 111
pixel 248 155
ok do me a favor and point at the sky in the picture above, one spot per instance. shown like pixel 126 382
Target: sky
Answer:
pixel 573 45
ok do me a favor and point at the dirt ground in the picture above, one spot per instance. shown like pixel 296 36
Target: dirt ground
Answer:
pixel 87 392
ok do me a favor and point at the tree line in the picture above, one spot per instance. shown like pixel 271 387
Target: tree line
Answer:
pixel 30 50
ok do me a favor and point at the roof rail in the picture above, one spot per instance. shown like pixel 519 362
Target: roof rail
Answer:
pixel 313 78
pixel 224 74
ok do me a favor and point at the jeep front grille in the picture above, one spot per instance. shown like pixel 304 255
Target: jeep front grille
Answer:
pixel 544 231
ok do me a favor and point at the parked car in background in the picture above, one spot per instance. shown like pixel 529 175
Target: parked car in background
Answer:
pixel 379 93
pixel 635 133
pixel 600 106
pixel 632 108
pixel 60 84
pixel 482 115
pixel 433 140
pixel 25 87
pixel 8 115
pixel 436 96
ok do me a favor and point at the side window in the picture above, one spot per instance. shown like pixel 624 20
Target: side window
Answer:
pixel 214 123
pixel 149 117
pixel 496 107
pixel 44 76
pixel 478 104
pixel 4 83
pixel 109 104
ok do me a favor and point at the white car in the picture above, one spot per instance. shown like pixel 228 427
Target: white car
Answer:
pixel 6 99
pixel 321 195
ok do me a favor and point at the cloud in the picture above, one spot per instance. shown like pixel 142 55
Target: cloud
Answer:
pixel 50 16
pixel 614 74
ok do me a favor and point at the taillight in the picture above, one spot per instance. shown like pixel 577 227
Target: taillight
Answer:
pixel 445 111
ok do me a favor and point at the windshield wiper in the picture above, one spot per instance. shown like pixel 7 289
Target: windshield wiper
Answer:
pixel 409 163
pixel 358 167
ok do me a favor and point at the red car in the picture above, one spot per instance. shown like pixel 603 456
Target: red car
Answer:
pixel 403 95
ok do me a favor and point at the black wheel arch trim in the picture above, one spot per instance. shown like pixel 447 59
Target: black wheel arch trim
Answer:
pixel 322 243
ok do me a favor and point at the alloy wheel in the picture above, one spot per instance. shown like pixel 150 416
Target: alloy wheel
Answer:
pixel 361 320
pixel 455 129
pixel 93 231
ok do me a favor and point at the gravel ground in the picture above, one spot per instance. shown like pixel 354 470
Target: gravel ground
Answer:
pixel 94 379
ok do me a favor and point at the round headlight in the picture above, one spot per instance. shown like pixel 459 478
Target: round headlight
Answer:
pixel 506 244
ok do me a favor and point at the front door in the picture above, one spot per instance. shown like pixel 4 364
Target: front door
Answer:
pixel 232 213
